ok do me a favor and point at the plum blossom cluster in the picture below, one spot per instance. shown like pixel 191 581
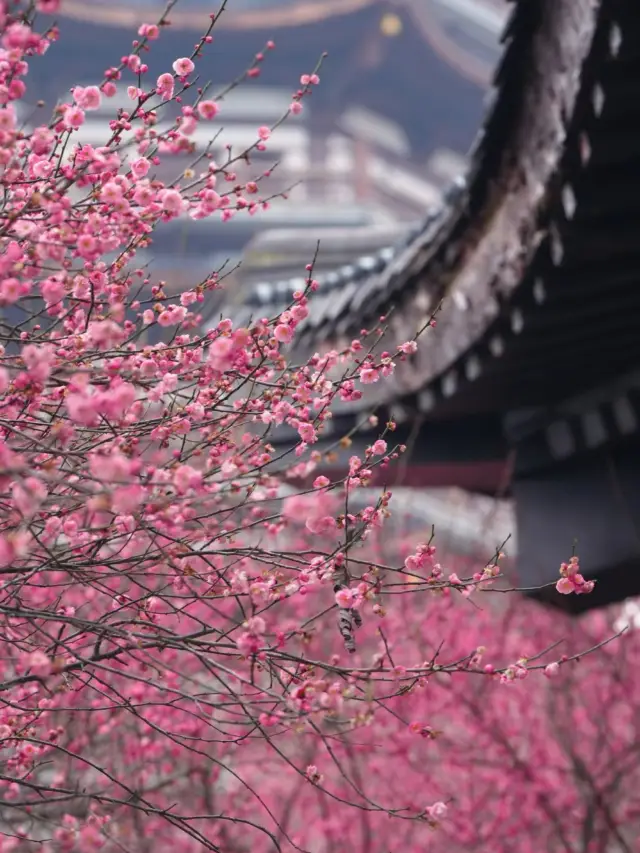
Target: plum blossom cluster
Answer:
pixel 170 581
pixel 507 765
pixel 422 568
pixel 145 595
pixel 572 581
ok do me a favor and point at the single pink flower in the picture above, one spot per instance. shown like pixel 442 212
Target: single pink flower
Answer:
pixel 165 85
pixel 283 333
pixel 171 201
pixel 344 598
pixel 72 118
pixel 183 66
pixel 565 586
pixel 307 433
pixel 437 811
pixel 369 375
pixel 149 31
pixel 208 109
pixel 140 167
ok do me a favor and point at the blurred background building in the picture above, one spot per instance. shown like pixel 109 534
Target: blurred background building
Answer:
pixel 401 97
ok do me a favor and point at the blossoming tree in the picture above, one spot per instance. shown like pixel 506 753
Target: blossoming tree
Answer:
pixel 192 651
pixel 516 762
